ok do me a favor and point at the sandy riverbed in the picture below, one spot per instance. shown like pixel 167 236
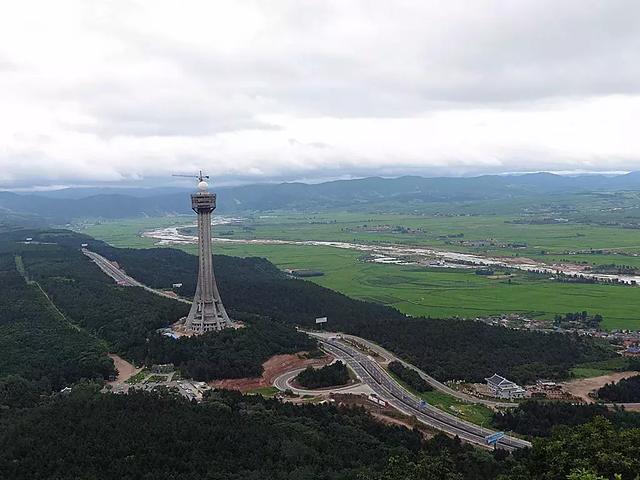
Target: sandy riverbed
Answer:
pixel 403 254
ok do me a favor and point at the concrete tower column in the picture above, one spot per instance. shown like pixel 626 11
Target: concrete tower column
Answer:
pixel 207 312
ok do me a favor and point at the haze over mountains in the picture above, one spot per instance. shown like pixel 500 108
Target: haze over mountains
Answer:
pixel 99 202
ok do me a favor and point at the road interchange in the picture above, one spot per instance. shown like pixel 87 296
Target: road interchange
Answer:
pixel 285 382
pixel 368 371
pixel 398 397
pixel 390 357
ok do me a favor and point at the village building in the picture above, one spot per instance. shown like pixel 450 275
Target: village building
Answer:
pixel 502 388
pixel 164 368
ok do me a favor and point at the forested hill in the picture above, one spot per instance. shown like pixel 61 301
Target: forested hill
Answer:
pixel 234 437
pixel 230 437
pixel 59 342
pixel 626 390
pixel 37 344
pixel 445 348
pixel 399 193
pixel 539 418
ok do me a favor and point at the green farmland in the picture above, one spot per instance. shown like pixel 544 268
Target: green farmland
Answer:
pixel 448 293
pixel 430 292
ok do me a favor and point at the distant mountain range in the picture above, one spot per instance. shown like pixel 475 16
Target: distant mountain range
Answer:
pixel 61 206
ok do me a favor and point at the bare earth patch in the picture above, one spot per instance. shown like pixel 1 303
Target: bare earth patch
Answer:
pixel 273 368
pixel 404 422
pixel 632 407
pixel 581 388
pixel 126 370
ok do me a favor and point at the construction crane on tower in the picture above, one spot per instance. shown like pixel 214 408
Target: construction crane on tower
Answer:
pixel 200 176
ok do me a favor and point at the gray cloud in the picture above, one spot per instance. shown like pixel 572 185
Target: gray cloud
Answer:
pixel 294 89
pixel 374 60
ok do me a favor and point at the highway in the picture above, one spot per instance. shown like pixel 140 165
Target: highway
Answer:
pixel 110 269
pixel 398 397
pixel 389 357
pixel 122 278
pixel 367 369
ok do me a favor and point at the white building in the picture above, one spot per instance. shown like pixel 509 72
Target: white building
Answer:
pixel 503 388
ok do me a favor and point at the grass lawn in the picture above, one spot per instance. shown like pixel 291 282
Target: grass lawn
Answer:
pixel 264 391
pixel 478 414
pixel 586 372
pixel 138 377
pixel 596 369
pixel 474 413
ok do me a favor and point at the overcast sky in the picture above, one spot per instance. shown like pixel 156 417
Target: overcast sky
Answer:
pixel 268 90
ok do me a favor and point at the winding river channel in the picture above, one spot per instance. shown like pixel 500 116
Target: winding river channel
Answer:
pixel 400 254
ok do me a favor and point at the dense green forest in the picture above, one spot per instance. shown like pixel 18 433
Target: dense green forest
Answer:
pixel 126 317
pixel 230 436
pixel 593 451
pixel 597 446
pixel 230 353
pixel 36 343
pixel 123 316
pixel 536 418
pixel 626 390
pixel 472 351
pixel 328 376
pixel 252 285
pixel 409 376
pixel 95 436
pixel 447 349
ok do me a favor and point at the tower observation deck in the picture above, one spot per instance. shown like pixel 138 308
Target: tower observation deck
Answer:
pixel 207 312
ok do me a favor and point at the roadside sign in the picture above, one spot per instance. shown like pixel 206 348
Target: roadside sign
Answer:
pixel 494 438
pixel 321 320
pixel 423 404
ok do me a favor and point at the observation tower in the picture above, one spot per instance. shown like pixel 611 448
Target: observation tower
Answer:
pixel 207 313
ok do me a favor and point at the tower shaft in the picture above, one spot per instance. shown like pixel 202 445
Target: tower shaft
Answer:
pixel 207 312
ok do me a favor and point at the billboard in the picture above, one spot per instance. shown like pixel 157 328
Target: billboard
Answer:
pixel 321 320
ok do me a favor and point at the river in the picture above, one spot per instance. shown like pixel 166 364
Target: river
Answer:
pixel 400 254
